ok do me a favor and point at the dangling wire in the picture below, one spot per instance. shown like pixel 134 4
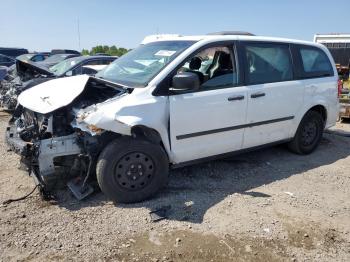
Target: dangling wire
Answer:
pixel 20 198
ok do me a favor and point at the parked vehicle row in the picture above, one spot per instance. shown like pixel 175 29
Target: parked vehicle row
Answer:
pixel 29 74
pixel 339 47
pixel 6 60
pixel 13 52
pixel 171 102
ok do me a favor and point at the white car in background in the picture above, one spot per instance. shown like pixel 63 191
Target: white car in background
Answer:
pixel 171 102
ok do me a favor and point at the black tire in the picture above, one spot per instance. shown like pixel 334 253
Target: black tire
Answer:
pixel 131 170
pixel 308 135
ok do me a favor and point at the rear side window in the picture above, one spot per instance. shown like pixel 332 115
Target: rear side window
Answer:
pixel 94 62
pixel 315 63
pixel 267 63
pixel 38 58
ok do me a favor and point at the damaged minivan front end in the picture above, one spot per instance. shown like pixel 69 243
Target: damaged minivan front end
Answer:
pixel 110 128
pixel 51 132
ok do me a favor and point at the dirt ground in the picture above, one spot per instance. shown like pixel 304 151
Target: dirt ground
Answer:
pixel 269 205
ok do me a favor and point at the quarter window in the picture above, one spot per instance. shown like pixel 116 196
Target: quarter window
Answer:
pixel 267 63
pixel 315 62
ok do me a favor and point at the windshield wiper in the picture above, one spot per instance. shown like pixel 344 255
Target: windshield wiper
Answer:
pixel 112 82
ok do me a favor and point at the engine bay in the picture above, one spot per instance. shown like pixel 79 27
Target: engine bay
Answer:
pixel 56 151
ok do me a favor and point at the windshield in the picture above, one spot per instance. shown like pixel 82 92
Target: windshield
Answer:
pixel 65 65
pixel 55 58
pixel 139 66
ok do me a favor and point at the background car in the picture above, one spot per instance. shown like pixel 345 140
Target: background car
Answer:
pixel 34 57
pixel 6 60
pixel 80 65
pixel 12 51
pixel 64 51
pixel 55 59
pixel 29 74
pixel 3 73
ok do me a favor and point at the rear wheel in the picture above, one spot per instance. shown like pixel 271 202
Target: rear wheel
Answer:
pixel 131 170
pixel 308 135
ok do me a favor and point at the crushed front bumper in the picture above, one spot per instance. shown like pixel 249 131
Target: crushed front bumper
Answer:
pixel 39 157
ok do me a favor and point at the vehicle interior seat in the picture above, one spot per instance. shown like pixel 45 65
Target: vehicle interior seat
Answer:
pixel 224 65
pixel 195 65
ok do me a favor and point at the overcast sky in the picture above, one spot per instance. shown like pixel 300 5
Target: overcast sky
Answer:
pixel 44 25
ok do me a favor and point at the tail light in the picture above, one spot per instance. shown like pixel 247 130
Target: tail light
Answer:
pixel 340 87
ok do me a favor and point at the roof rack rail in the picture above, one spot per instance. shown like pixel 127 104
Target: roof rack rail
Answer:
pixel 231 33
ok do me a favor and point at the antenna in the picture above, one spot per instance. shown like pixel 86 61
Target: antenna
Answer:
pixel 78 33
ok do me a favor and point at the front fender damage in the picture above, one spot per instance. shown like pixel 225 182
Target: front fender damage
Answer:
pixel 95 121
pixel 68 133
pixel 119 115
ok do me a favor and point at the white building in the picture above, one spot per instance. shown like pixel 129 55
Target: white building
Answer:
pixel 333 40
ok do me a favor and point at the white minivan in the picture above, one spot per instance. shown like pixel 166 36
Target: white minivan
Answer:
pixel 171 102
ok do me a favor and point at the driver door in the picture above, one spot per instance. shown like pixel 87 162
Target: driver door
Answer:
pixel 209 121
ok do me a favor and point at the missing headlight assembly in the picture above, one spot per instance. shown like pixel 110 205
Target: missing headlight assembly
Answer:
pixel 53 149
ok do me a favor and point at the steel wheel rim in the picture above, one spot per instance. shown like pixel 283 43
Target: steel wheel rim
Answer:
pixel 134 171
pixel 309 133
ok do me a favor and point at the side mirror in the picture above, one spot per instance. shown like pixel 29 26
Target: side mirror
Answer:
pixel 186 81
pixel 69 73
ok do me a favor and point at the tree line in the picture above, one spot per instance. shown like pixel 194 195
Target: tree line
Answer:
pixel 104 49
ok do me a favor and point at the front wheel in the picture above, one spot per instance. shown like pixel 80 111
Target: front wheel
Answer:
pixel 308 135
pixel 131 170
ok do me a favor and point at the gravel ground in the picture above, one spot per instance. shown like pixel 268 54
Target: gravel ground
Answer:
pixel 269 205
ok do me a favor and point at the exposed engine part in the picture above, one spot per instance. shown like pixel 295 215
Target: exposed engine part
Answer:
pixel 53 150
pixel 9 92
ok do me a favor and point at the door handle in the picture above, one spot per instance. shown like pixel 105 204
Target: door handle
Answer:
pixel 235 98
pixel 256 95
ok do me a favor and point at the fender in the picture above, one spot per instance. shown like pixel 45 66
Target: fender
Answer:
pixel 121 114
pixel 319 92
pixel 304 110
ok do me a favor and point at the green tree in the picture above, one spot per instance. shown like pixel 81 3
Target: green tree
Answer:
pixel 85 52
pixel 110 50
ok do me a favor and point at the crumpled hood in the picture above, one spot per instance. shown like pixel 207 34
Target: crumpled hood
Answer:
pixel 51 95
pixel 23 66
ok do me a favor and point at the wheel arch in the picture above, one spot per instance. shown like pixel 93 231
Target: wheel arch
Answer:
pixel 321 109
pixel 318 107
pixel 149 134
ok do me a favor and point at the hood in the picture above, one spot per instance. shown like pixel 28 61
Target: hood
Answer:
pixel 46 64
pixel 51 95
pixel 32 67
